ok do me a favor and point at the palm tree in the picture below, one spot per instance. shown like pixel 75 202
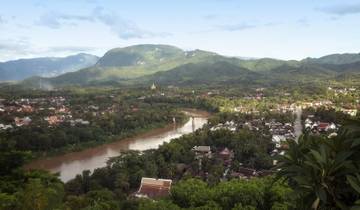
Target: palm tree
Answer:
pixel 325 173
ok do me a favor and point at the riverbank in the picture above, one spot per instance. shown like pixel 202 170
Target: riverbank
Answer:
pixel 107 140
pixel 70 164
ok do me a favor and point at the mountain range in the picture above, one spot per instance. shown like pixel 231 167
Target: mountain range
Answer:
pixel 164 64
pixel 44 67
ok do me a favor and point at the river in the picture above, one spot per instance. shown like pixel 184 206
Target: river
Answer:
pixel 71 164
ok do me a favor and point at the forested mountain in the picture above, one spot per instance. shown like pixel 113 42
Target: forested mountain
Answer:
pixel 44 67
pixel 144 64
pixel 202 73
pixel 336 59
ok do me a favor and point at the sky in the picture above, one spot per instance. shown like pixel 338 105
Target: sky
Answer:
pixel 283 29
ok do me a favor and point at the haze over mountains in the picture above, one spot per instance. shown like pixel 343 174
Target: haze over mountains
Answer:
pixel 44 67
pixel 164 64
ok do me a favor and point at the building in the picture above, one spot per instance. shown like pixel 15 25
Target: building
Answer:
pixel 226 155
pixel 351 112
pixel 153 87
pixel 54 120
pixel 278 140
pixel 244 173
pixel 153 188
pixel 22 121
pixel 202 151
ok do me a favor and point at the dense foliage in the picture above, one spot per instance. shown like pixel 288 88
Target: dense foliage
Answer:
pixel 113 118
pixel 325 172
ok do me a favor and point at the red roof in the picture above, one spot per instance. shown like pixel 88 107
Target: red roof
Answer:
pixel 154 188
pixel 323 125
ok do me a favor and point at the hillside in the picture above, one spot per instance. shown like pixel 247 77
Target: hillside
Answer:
pixel 142 64
pixel 202 73
pixel 139 55
pixel 44 67
pixel 133 62
pixel 335 59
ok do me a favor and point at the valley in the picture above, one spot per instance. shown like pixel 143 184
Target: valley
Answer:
pixel 202 126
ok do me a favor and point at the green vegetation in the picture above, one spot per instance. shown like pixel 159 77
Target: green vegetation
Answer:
pixel 325 173
pixel 317 172
pixel 84 119
pixel 143 64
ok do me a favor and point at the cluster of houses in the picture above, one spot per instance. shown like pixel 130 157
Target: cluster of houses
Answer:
pixel 280 131
pixel 346 109
pixel 316 104
pixel 25 111
pixel 229 125
pixel 319 127
pixel 153 188
pixel 227 156
pixel 279 108
pixel 344 91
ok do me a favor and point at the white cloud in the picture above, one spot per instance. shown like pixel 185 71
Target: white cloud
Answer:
pixel 344 9
pixel 11 49
pixel 124 29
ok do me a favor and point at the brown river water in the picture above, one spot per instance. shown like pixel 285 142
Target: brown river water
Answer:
pixel 71 164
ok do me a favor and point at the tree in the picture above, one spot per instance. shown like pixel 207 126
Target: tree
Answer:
pixel 324 172
pixel 38 196
pixel 157 205
pixel 190 193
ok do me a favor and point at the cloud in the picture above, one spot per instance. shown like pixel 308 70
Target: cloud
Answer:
pixel 11 49
pixel 124 29
pixel 45 4
pixel 341 10
pixel 70 49
pixel 210 16
pixel 13 45
pixel 303 22
pixel 2 20
pixel 56 20
pixel 236 27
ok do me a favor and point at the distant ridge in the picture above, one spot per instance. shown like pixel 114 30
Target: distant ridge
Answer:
pixel 45 67
pixel 141 64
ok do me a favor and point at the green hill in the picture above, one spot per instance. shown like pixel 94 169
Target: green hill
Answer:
pixel 202 73
pixel 170 65
pixel 335 59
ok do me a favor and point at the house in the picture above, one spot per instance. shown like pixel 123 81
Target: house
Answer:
pixel 62 109
pixel 153 188
pixel 22 121
pixel 351 112
pixel 79 121
pixel 26 108
pixel 278 139
pixel 323 126
pixel 244 173
pixel 263 173
pixel 202 151
pixel 226 155
pixel 53 120
pixel 8 127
